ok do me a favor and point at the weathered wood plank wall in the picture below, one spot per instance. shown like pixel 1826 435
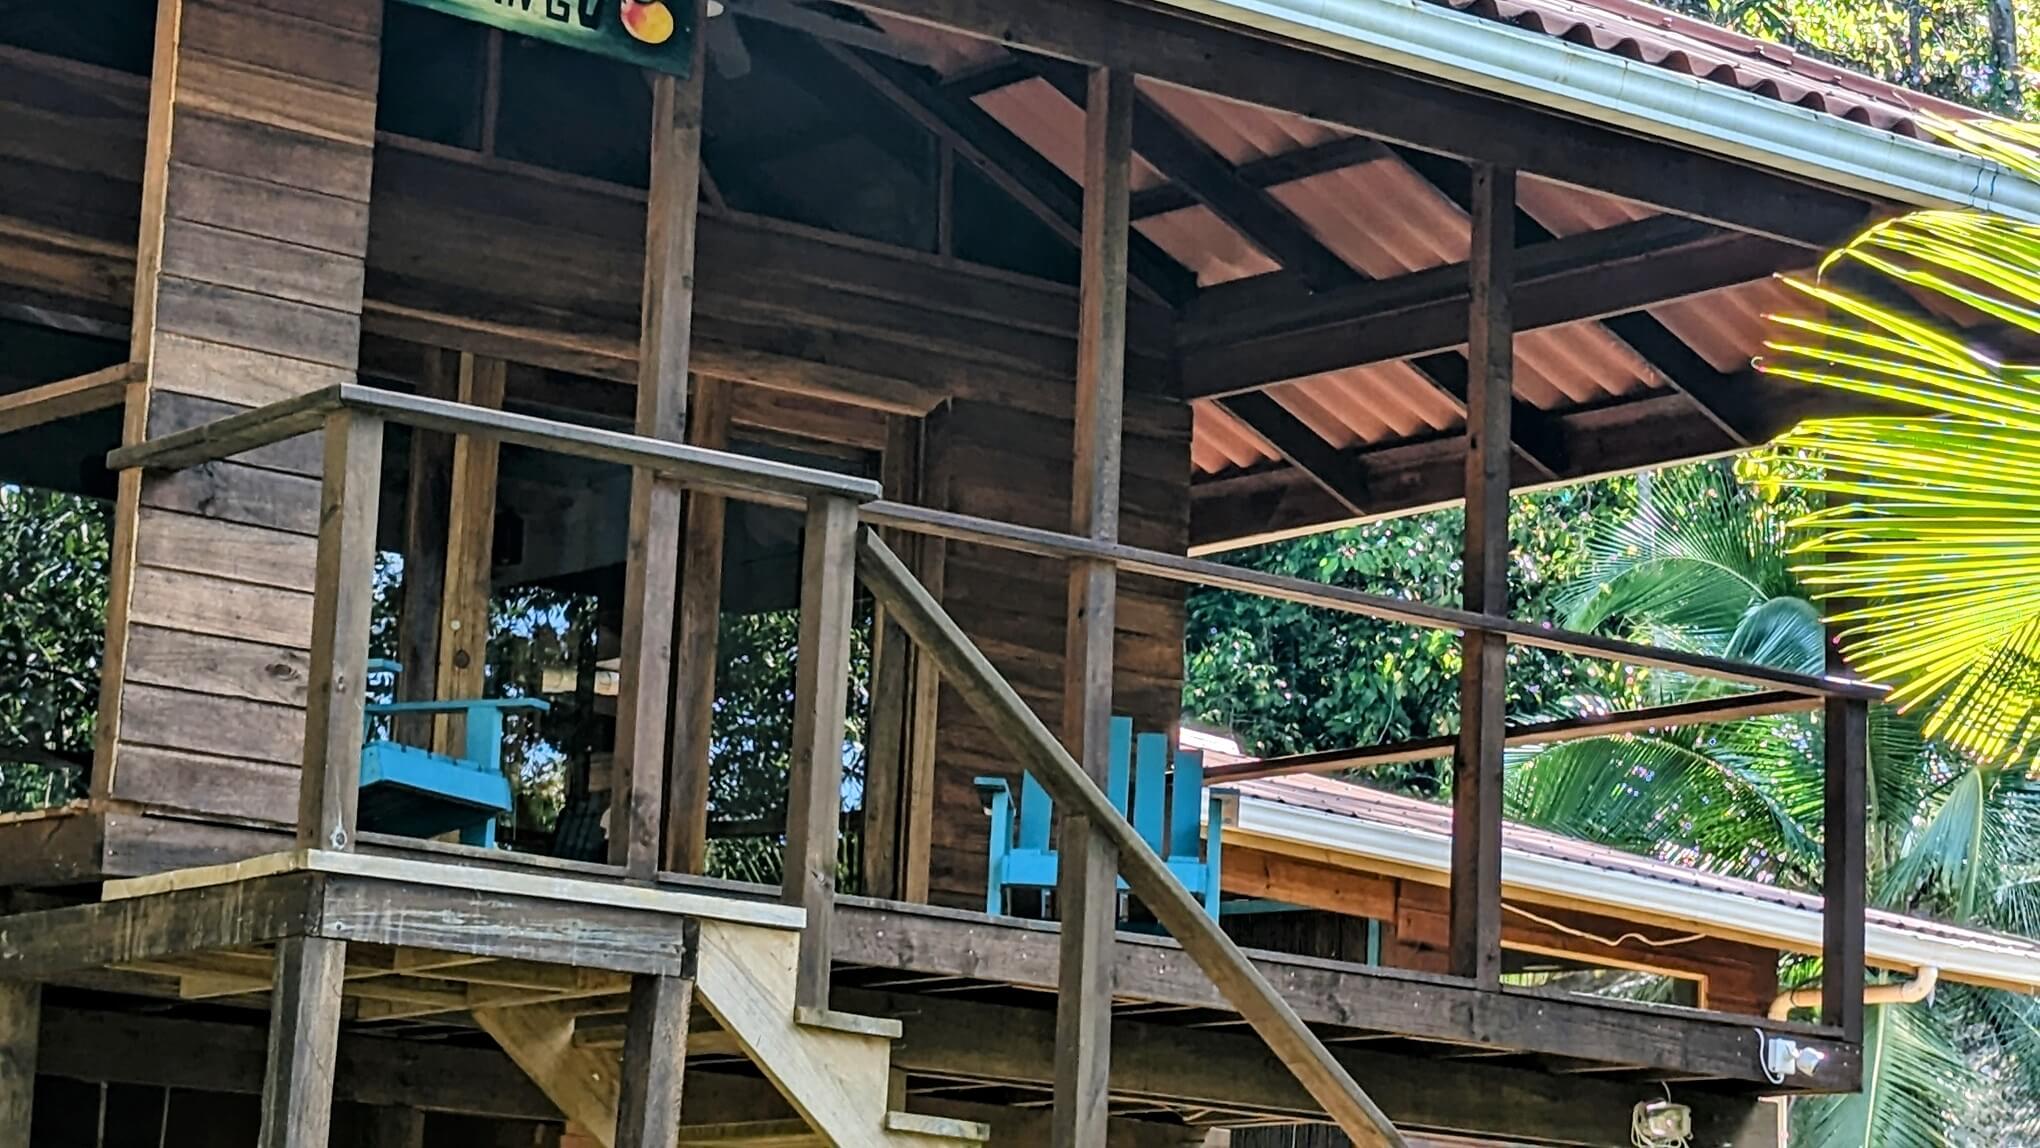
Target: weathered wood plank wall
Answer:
pixel 249 271
pixel 1003 463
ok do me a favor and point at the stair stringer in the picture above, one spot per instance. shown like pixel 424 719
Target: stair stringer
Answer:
pixel 838 1081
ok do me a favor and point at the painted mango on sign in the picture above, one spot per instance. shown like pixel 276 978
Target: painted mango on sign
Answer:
pixel 656 34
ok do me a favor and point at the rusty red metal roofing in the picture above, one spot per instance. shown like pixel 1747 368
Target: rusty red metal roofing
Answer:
pixel 1415 816
pixel 1655 36
pixel 1383 219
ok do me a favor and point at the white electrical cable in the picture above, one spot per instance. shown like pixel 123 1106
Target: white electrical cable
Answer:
pixel 1764 1059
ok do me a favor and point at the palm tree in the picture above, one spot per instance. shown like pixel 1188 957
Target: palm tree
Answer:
pixel 1703 566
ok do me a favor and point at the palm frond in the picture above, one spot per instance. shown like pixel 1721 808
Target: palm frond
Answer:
pixel 1914 1080
pixel 1929 551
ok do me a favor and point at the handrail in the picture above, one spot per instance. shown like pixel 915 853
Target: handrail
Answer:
pixel 1216 575
pixel 738 476
pixel 972 675
pixel 1706 711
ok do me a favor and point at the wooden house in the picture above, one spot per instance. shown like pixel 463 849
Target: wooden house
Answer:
pixel 1014 308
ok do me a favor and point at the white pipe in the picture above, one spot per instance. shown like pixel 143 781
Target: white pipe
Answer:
pixel 1661 103
pixel 1907 992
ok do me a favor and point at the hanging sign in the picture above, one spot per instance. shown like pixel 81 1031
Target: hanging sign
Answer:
pixel 649 33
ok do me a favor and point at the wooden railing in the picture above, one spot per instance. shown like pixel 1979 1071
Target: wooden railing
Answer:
pixel 839 547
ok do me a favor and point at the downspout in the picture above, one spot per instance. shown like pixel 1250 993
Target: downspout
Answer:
pixel 1909 992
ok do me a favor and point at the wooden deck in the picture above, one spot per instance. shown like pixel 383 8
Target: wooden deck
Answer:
pixel 437 944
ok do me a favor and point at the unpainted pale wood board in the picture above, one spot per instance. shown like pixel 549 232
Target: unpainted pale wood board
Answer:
pixel 66 398
pixel 330 786
pixel 821 697
pixel 582 1082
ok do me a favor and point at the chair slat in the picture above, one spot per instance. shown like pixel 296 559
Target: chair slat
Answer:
pixel 1185 796
pixel 1035 812
pixel 1118 772
pixel 1150 788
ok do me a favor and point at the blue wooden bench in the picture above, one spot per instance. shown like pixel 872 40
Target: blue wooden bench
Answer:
pixel 1020 854
pixel 417 793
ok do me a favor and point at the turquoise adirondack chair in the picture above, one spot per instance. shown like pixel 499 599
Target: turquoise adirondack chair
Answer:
pixel 1020 854
pixel 414 792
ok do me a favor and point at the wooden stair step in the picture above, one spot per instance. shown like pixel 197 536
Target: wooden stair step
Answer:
pixel 964 1131
pixel 856 1025
pixel 751 1134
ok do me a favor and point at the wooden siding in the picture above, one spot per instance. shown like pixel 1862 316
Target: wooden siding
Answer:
pixel 250 268
pixel 1006 464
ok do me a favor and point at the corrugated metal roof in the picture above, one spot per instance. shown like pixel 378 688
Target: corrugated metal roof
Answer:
pixel 1425 819
pixel 1384 219
pixel 1652 35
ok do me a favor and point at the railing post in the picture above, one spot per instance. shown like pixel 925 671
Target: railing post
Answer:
pixel 1846 761
pixel 343 598
pixel 1476 905
pixel 821 700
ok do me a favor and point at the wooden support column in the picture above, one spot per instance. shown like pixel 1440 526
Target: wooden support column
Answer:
pixel 470 552
pixel 343 601
pixel 651 571
pixel 701 565
pixel 427 498
pixel 1087 887
pixel 1845 804
pixel 1476 915
pixel 654 1062
pixel 20 1028
pixel 304 1043
pixel 821 697
pixel 886 765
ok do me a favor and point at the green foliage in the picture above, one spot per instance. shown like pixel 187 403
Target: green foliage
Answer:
pixel 1944 47
pixel 1698 567
pixel 53 587
pixel 1289 679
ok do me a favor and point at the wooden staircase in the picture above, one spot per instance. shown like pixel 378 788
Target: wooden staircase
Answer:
pixel 833 1068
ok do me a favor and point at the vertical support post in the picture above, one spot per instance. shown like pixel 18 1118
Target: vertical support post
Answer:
pixel 886 768
pixel 1845 799
pixel 695 646
pixel 344 598
pixel 304 1040
pixel 428 500
pixel 470 552
pixel 651 569
pixel 20 1028
pixel 821 698
pixel 1087 883
pixel 1476 902
pixel 654 1062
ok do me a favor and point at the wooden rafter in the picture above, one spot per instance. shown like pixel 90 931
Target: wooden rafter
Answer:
pixel 1208 178
pixel 1713 393
pixel 1408 109
pixel 1241 346
pixel 1009 163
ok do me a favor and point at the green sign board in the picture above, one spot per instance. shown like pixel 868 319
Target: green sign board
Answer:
pixel 649 33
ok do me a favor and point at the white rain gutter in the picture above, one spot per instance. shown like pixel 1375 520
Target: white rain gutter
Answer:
pixel 1443 43
pixel 1273 826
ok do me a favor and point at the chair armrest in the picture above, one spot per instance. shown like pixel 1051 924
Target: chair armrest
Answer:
pixel 989 788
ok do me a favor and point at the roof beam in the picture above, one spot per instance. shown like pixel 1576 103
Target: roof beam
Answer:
pixel 1714 393
pixel 1303 447
pixel 1235 347
pixel 1212 180
pixel 1009 163
pixel 1270 171
pixel 1373 100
